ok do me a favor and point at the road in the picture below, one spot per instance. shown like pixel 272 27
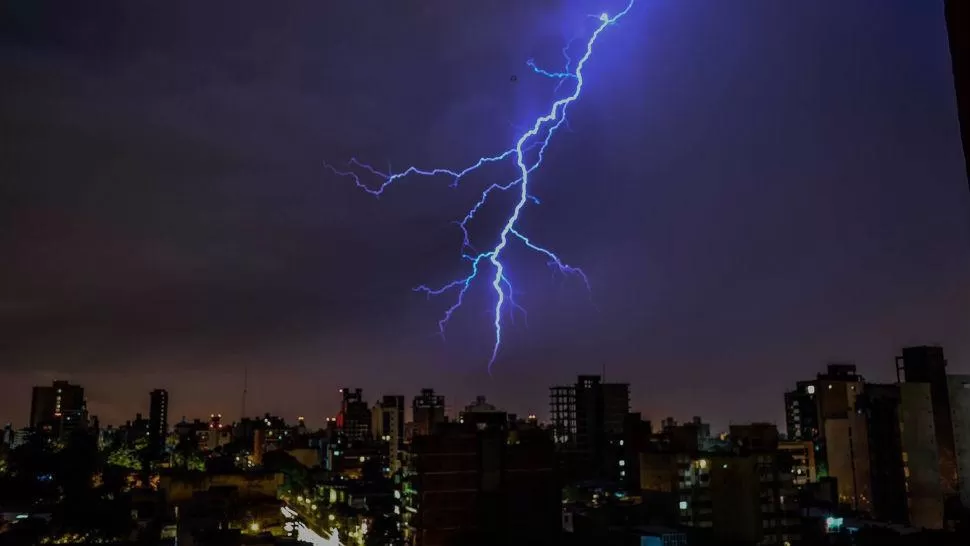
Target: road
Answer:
pixel 305 533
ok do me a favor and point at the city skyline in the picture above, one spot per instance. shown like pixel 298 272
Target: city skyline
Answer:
pixel 452 406
pixel 762 203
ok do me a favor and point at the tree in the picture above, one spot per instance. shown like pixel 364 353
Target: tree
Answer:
pixel 125 457
pixel 296 476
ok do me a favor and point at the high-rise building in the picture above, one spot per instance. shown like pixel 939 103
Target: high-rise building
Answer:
pixel 801 412
pixel 801 454
pixel 387 424
pixel 585 416
pixel 157 421
pixel 427 412
pixel 926 492
pixel 881 406
pixel 471 485
pixel 354 419
pixel 927 365
pixel 57 410
pixel 823 411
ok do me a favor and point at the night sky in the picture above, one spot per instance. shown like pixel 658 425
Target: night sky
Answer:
pixel 753 188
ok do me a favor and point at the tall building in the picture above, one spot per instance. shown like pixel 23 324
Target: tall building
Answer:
pixel 57 410
pixel 823 411
pixel 471 485
pixel 927 493
pixel 927 365
pixel 881 406
pixel 354 419
pixel 387 424
pixel 586 416
pixel 427 412
pixel 801 412
pixel 157 421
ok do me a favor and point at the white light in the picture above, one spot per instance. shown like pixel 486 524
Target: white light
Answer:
pixel 621 443
pixel 683 505
pixel 604 17
pixel 622 462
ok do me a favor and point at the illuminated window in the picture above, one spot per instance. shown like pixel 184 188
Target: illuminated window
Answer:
pixel 683 505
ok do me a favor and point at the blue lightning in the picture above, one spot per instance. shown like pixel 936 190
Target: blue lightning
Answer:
pixel 538 136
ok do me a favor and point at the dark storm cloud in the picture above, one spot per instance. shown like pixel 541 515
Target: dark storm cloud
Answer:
pixel 751 189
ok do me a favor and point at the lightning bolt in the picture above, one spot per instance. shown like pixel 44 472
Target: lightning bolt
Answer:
pixel 527 153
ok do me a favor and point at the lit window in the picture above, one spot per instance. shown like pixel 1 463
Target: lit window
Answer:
pixel 683 505
pixel 811 389
pixel 621 443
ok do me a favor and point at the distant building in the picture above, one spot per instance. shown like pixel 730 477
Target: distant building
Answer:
pixel 387 424
pixel 586 416
pixel 801 412
pixel 57 410
pixel 214 435
pixel 158 421
pixel 802 456
pixel 354 419
pixel 428 411
pixel 483 415
pixel 823 411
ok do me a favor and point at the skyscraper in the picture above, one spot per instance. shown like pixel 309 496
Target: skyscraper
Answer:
pixel 57 410
pixel 157 421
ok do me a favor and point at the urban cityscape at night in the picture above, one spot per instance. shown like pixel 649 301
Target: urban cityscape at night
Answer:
pixel 506 273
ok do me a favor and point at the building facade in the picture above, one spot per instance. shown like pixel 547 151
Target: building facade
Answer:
pixel 157 421
pixel 57 410
pixel 427 412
